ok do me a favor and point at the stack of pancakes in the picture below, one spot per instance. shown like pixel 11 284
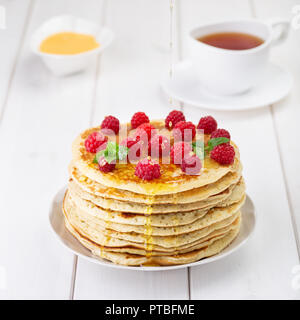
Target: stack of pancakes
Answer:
pixel 175 219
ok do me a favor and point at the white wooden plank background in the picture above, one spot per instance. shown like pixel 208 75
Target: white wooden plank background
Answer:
pixel 266 256
pixel 286 114
pixel 42 114
pixel 11 39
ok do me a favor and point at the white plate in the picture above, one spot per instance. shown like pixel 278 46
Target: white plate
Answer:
pixel 57 223
pixel 184 87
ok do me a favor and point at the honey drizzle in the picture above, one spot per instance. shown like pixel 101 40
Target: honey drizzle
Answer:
pixel 149 239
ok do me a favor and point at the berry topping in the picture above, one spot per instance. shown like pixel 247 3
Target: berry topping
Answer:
pixel 109 124
pixel 134 147
pixel 147 169
pixel 223 153
pixel 207 124
pixel 159 146
pixel 104 166
pixel 220 133
pixel 184 131
pixel 179 151
pixel 95 141
pixel 191 164
pixel 139 118
pixel 144 132
pixel 174 117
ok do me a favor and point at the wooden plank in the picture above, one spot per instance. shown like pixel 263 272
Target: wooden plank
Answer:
pixel 286 112
pixel 11 39
pixel 130 71
pixel 263 268
pixel 43 115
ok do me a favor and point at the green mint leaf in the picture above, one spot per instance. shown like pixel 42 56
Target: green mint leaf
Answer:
pixel 198 144
pixel 215 142
pixel 112 148
pixel 200 153
pixel 123 152
pixel 110 158
pixel 98 155
pixel 198 148
pixel 112 153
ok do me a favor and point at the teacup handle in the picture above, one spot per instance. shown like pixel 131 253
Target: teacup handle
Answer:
pixel 280 30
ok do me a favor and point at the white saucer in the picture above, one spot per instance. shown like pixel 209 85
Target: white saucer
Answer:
pixel 57 224
pixel 184 87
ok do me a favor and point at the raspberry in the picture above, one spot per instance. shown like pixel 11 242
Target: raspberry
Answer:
pixel 179 151
pixel 174 117
pixel 139 118
pixel 191 164
pixel 184 131
pixel 134 147
pixel 110 123
pixel 147 169
pixel 104 166
pixel 223 153
pixel 207 124
pixel 220 133
pixel 144 132
pixel 94 141
pixel 128 142
pixel 159 146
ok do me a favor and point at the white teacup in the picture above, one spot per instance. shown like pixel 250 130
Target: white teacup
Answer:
pixel 228 72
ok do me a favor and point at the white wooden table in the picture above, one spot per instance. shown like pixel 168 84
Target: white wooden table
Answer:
pixel 40 115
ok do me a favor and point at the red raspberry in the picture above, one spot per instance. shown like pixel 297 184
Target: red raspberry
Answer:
pixel 184 131
pixel 223 153
pixel 159 146
pixel 139 118
pixel 147 169
pixel 104 166
pixel 94 141
pixel 179 151
pixel 144 132
pixel 191 164
pixel 220 133
pixel 110 123
pixel 207 124
pixel 174 117
pixel 128 142
pixel 134 147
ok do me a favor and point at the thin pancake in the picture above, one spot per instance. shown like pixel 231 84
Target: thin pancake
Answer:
pixel 132 207
pixel 192 195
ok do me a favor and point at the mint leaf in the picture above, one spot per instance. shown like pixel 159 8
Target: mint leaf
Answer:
pixel 215 142
pixel 112 153
pixel 123 152
pixel 98 155
pixel 198 148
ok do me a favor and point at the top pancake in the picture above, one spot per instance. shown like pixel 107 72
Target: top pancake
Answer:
pixel 172 179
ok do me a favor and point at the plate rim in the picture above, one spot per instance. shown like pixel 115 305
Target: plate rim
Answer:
pixel 201 105
pixel 59 195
